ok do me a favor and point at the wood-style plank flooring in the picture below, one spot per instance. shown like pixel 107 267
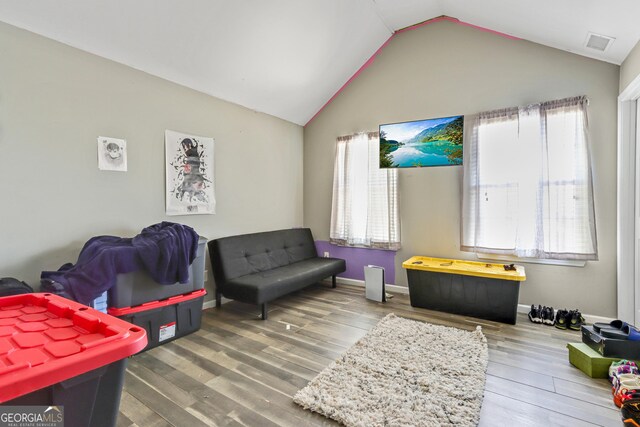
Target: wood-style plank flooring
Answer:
pixel 239 370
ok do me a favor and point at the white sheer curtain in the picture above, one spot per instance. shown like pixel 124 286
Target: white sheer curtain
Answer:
pixel 527 183
pixel 364 210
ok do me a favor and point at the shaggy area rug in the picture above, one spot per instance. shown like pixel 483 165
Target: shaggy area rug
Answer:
pixel 404 373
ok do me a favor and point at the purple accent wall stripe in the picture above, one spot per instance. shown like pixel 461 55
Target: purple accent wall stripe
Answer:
pixel 358 258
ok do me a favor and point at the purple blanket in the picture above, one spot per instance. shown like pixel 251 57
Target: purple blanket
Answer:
pixel 164 250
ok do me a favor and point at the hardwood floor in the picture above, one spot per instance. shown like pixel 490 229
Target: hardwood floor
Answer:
pixel 240 370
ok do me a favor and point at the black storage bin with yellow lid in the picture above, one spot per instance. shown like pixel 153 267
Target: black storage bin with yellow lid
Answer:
pixel 468 288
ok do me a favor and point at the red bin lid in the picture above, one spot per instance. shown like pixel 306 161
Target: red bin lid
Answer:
pixel 151 305
pixel 45 339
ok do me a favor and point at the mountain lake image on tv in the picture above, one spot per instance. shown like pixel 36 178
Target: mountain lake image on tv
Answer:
pixel 432 142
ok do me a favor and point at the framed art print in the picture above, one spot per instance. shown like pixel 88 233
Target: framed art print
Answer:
pixel 189 174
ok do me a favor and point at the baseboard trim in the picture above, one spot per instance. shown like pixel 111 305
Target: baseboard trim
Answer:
pixel 522 308
pixel 341 280
pixel 589 318
pixel 360 283
pixel 212 303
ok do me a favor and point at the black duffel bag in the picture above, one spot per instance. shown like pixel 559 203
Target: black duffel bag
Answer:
pixel 11 286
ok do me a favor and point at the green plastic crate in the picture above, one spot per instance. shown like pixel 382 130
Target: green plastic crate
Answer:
pixel 589 361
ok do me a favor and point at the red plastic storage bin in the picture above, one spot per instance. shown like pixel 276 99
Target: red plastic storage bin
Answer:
pixel 54 351
pixel 167 319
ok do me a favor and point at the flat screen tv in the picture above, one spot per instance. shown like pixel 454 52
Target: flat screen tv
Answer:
pixel 422 143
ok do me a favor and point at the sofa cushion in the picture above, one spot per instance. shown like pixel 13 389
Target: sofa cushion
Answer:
pixel 267 285
pixel 238 256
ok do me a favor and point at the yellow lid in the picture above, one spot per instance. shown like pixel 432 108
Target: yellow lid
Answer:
pixel 466 268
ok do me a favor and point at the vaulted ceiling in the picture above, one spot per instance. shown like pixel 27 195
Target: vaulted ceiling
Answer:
pixel 287 58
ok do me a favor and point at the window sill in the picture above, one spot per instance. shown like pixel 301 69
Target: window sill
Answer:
pixel 509 258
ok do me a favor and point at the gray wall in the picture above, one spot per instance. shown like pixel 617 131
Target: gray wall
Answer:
pixel 56 100
pixel 444 69
pixel 630 68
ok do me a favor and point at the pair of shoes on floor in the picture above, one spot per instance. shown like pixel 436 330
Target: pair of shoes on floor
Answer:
pixel 571 319
pixel 617 329
pixel 626 387
pixel 630 412
pixel 542 314
pixel 625 380
pixel 621 367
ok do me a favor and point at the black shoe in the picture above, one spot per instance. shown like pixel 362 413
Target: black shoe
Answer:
pixel 575 320
pixel 562 319
pixel 631 413
pixel 535 313
pixel 548 316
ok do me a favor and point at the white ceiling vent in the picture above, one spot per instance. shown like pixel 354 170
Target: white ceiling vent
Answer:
pixel 598 41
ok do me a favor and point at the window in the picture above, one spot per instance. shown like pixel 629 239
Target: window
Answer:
pixel 527 184
pixel 364 211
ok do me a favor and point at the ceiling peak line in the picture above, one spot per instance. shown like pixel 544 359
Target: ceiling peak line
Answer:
pixel 455 21
pixel 400 31
pixel 353 77
pixel 377 12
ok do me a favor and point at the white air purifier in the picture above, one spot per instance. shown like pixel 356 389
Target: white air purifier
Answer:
pixel 374 283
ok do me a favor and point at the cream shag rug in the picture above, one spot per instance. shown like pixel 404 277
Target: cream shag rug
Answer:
pixel 404 373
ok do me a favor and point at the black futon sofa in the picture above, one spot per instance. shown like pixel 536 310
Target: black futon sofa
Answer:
pixel 260 267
